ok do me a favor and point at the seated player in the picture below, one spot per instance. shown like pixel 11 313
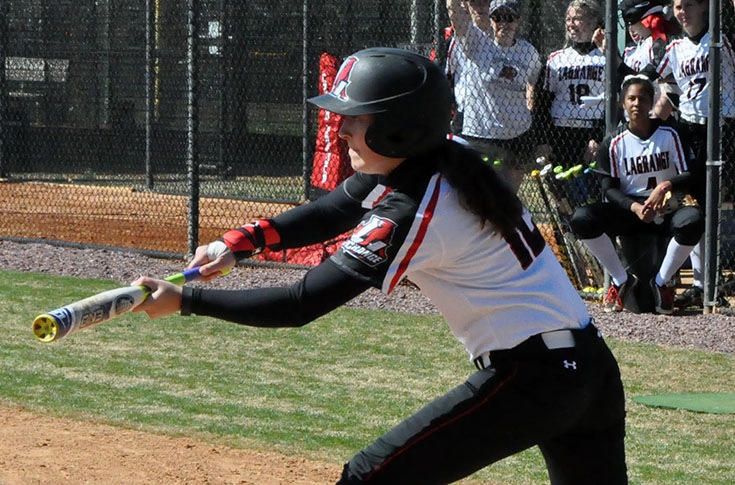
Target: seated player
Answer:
pixel 642 167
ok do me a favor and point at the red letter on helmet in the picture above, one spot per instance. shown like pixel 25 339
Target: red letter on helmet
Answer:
pixel 339 88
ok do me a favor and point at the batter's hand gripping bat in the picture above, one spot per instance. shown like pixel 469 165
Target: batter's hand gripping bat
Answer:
pixel 98 308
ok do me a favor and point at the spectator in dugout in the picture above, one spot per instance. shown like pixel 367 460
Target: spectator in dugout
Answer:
pixel 643 171
pixel 570 109
pixel 494 72
pixel 650 30
pixel 686 60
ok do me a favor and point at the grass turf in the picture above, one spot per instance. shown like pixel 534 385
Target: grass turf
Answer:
pixel 322 391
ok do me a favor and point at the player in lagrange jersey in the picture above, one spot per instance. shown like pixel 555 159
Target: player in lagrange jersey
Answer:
pixel 641 166
pixel 431 210
pixel 650 31
pixel 687 59
pixel 573 87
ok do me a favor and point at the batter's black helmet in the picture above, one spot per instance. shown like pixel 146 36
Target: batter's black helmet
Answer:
pixel 409 95
pixel 636 10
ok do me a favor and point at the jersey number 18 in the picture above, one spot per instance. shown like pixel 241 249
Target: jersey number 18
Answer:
pixel 576 91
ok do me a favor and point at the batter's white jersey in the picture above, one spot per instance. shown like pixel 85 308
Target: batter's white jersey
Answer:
pixel 688 62
pixel 641 164
pixel 571 76
pixel 493 292
pixel 491 82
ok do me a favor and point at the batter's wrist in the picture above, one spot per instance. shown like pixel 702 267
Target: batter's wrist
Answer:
pixel 187 295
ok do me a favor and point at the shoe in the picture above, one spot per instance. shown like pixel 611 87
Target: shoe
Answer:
pixel 663 296
pixel 693 297
pixel 613 302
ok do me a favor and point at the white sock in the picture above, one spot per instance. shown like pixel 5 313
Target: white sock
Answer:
pixel 697 257
pixel 676 254
pixel 603 249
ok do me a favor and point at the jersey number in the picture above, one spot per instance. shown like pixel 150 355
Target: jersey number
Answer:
pixel 651 183
pixel 524 239
pixel 698 84
pixel 576 91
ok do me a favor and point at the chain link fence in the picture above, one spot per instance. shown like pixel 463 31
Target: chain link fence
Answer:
pixel 158 125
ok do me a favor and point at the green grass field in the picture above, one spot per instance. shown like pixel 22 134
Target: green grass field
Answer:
pixel 322 391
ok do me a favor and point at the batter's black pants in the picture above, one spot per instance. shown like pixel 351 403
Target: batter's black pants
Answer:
pixel 686 224
pixel 569 402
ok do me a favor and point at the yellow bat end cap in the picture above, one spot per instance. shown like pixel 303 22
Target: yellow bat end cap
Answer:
pixel 45 328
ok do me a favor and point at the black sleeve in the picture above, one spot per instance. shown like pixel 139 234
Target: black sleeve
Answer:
pixel 335 213
pixel 611 188
pixel 610 185
pixel 320 291
pixel 681 181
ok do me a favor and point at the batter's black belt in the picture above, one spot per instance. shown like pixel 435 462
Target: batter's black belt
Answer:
pixel 542 342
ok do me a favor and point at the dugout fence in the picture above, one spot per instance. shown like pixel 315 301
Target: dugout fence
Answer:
pixel 156 125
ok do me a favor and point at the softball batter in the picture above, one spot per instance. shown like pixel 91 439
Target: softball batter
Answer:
pixel 428 209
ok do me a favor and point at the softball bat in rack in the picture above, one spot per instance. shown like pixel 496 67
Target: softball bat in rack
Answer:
pixel 98 308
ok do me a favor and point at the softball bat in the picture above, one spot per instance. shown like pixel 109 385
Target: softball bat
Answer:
pixel 98 308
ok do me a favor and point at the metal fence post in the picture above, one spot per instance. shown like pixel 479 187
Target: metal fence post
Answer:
pixel 150 19
pixel 3 92
pixel 714 160
pixel 192 125
pixel 611 66
pixel 611 79
pixel 103 74
pixel 439 24
pixel 305 139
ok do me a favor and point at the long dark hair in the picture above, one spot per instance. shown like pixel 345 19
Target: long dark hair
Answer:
pixel 481 190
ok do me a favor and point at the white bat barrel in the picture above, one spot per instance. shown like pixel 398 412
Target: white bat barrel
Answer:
pixel 85 313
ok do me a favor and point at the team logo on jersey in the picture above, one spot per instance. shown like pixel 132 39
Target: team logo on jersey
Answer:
pixel 370 241
pixel 339 88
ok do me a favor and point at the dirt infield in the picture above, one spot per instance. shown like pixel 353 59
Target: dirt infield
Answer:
pixel 49 451
pixel 114 216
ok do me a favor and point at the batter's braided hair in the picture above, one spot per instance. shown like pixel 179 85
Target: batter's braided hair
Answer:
pixel 481 189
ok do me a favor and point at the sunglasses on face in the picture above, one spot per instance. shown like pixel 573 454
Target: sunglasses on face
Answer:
pixel 503 17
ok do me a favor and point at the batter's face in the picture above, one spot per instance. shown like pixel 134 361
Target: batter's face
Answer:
pixel 580 26
pixel 637 102
pixel 691 14
pixel 638 32
pixel 362 158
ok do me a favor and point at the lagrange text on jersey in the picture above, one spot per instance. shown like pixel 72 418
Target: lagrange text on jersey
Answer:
pixel 647 163
pixel 694 65
pixel 595 73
